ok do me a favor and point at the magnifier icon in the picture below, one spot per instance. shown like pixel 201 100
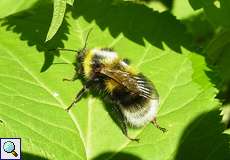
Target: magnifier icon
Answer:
pixel 9 147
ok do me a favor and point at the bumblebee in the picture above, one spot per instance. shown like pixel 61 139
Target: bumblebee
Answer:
pixel 132 95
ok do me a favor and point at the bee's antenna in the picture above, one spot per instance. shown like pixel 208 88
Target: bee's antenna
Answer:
pixel 72 50
pixel 63 49
pixel 62 63
pixel 86 39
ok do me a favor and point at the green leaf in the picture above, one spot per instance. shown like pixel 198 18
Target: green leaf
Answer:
pixel 58 15
pixel 182 9
pixel 32 103
pixel 217 11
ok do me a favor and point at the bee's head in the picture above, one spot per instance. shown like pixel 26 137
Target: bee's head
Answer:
pixel 80 55
pixel 79 60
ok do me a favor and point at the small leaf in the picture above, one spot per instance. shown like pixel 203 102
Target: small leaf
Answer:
pixel 70 2
pixel 58 15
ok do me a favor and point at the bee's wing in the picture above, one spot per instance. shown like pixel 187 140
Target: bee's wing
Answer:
pixel 136 84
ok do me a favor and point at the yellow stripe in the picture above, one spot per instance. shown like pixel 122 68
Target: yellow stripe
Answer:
pixel 87 63
pixel 111 85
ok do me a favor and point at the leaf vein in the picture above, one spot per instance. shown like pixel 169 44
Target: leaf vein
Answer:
pixel 40 134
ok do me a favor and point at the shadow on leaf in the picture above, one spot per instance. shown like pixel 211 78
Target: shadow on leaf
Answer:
pixel 216 11
pixel 201 31
pixel 204 139
pixel 116 156
pixel 217 51
pixel 135 21
pixel 32 26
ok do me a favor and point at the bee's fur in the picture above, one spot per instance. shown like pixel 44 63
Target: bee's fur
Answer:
pixel 133 96
pixel 142 115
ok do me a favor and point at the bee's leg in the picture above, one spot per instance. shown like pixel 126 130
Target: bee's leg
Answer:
pixel 123 124
pixel 154 122
pixel 78 97
pixel 75 77
pixel 125 132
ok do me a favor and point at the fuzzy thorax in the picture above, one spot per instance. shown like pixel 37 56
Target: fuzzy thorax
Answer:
pixel 97 56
